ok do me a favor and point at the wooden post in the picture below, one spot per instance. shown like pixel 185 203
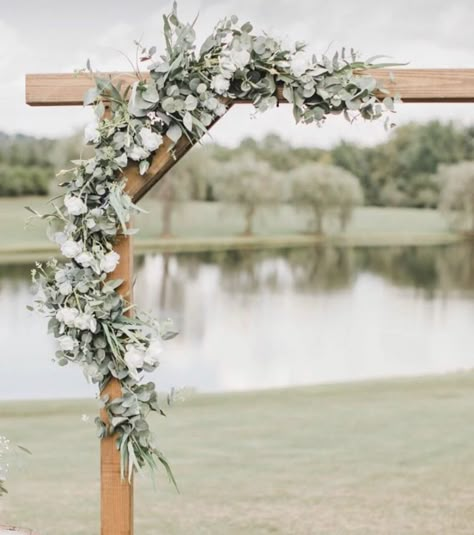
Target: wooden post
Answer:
pixel 116 495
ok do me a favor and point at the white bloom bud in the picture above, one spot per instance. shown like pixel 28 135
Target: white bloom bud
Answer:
pixel 109 262
pixel 221 109
pixel 220 84
pixel 138 153
pixel 152 353
pixel 299 64
pixel 91 133
pixel 60 276
pixel 65 288
pixel 59 238
pixel 240 58
pixel 85 321
pixel 151 140
pixel 134 358
pixel 85 259
pixel 66 343
pixel 71 248
pixel 74 205
pixel 67 315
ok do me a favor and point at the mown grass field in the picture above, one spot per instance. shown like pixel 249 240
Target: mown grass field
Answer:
pixel 200 225
pixel 374 458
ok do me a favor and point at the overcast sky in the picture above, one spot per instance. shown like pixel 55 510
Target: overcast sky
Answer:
pixel 59 36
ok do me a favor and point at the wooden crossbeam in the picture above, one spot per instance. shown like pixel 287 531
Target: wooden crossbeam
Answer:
pixel 413 85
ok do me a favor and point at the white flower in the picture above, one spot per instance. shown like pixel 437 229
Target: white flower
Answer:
pixel 85 321
pixel 138 153
pixel 59 238
pixel 299 64
pixel 90 223
pixel 134 358
pixel 121 160
pixel 220 84
pixel 67 343
pixel 65 288
pixel 221 109
pixel 74 205
pixel 85 259
pixel 151 140
pixel 71 248
pixel 91 133
pixel 67 315
pixel 109 262
pixel 240 58
pixel 61 275
pixel 227 66
pixel 152 353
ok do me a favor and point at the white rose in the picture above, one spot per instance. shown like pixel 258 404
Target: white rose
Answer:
pixel 59 238
pixel 109 262
pixel 67 315
pixel 71 248
pixel 61 275
pixel 134 358
pixel 151 140
pixel 220 84
pixel 152 353
pixel 221 109
pixel 74 205
pixel 240 58
pixel 65 288
pixel 91 133
pixel 299 64
pixel 66 343
pixel 138 153
pixel 85 321
pixel 227 66
pixel 85 259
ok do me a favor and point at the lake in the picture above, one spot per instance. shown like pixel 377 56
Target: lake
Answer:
pixel 253 320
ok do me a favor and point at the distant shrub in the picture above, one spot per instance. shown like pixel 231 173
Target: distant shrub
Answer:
pixel 16 180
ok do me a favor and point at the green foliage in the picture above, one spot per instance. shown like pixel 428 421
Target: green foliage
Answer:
pixel 400 171
pixel 457 194
pixel 28 164
pixel 188 179
pixel 324 189
pixel 16 180
pixel 246 181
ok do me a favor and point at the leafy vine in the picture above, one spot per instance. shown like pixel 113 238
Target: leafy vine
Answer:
pixel 186 91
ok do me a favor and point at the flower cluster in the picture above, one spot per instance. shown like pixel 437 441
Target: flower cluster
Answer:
pixel 186 91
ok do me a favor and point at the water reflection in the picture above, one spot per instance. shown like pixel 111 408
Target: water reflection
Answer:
pixel 274 318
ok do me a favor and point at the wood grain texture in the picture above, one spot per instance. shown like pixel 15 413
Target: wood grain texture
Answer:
pixel 116 495
pixel 162 161
pixel 414 85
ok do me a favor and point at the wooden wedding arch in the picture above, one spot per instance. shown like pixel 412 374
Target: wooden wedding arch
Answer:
pixel 413 85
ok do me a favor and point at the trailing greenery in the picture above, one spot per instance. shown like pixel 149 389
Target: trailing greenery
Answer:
pixel 188 90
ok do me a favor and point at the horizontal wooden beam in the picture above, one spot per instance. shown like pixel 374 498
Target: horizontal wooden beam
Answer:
pixel 413 85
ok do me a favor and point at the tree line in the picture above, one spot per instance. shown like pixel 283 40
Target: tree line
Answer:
pixel 412 168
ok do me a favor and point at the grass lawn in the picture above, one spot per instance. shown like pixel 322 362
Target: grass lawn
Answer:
pixel 199 225
pixel 374 458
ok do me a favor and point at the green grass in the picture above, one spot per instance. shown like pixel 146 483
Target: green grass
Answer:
pixel 201 225
pixel 389 457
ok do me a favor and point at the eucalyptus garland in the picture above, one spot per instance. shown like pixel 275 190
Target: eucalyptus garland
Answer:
pixel 186 91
